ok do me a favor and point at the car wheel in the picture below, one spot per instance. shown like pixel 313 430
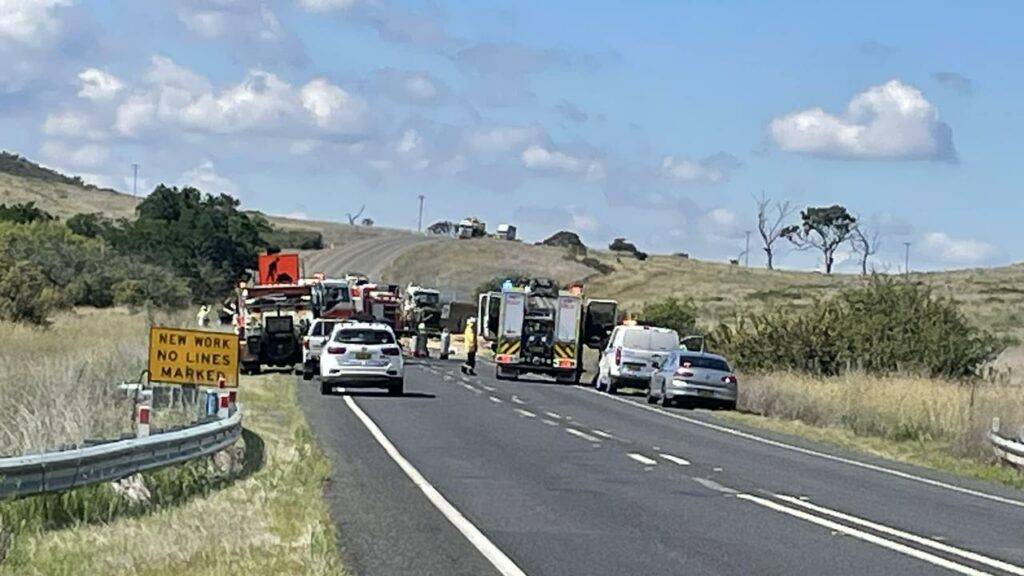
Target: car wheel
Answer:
pixel 326 388
pixel 307 375
pixel 396 388
pixel 500 374
pixel 730 405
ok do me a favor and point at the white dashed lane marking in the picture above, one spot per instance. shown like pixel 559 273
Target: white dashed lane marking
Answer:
pixel 525 413
pixel 642 459
pixel 583 435
pixel 675 459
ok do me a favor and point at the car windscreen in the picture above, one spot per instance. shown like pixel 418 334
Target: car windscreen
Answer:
pixel 427 299
pixel 277 324
pixel 363 336
pixel 336 294
pixel 703 362
pixel 650 340
pixel 323 328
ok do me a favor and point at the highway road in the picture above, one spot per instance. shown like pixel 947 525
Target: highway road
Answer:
pixel 370 256
pixel 470 475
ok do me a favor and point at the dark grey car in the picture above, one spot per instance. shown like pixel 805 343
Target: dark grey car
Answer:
pixel 687 375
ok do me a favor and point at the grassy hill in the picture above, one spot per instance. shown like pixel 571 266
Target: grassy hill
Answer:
pixel 24 181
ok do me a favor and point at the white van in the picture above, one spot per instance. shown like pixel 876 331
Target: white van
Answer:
pixel 631 356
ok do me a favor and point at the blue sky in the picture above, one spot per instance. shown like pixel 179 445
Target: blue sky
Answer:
pixel 657 121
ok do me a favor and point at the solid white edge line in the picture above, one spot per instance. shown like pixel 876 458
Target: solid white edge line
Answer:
pixel 675 459
pixel 642 459
pixel 492 553
pixel 965 554
pixel 809 452
pixel 865 536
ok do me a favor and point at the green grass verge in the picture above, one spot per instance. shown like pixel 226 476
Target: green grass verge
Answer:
pixel 272 520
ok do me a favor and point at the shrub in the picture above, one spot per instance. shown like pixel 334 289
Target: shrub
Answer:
pixel 886 327
pixel 277 239
pixel 25 295
pixel 23 213
pixel 679 315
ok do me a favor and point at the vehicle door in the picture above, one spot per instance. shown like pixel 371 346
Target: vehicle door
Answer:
pixel 567 331
pixel 510 327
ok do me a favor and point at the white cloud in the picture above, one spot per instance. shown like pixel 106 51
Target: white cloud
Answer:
pixel 540 158
pixel 85 156
pixel 332 107
pixel 502 139
pixel 892 121
pixel 135 115
pixel 163 72
pixel 420 87
pixel 302 147
pixel 72 124
pixel 205 178
pixel 410 142
pixel 261 101
pixel 965 251
pixel 720 224
pixel 99 85
pixel 711 170
pixel 326 5
pixel 30 22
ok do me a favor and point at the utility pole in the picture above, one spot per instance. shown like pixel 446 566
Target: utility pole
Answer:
pixel 135 179
pixel 906 258
pixel 746 252
pixel 419 227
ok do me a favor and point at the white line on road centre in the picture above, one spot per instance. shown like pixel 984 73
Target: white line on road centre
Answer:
pixel 865 536
pixel 492 553
pixel 554 415
pixel 642 459
pixel 516 400
pixel 675 459
pixel 809 452
pixel 965 554
pixel 496 400
pixel 488 388
pixel 581 434
pixel 526 413
pixel 602 434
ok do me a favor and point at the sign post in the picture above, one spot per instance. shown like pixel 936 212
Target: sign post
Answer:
pixel 193 357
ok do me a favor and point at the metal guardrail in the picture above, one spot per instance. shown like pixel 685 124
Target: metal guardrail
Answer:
pixel 1007 449
pixel 59 471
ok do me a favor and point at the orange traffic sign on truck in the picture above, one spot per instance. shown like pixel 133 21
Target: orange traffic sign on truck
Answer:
pixel 281 268
pixel 193 357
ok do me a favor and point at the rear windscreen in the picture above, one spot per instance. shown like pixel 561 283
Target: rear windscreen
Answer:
pixel 364 336
pixel 650 340
pixel 704 362
pixel 278 323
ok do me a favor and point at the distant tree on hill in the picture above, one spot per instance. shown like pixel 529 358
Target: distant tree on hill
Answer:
pixel 822 228
pixel 442 228
pixel 865 242
pixel 771 223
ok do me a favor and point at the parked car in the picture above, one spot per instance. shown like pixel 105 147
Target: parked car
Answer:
pixel 313 342
pixel 631 354
pixel 696 376
pixel 362 355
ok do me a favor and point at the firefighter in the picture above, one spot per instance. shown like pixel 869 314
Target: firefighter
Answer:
pixel 203 316
pixel 470 340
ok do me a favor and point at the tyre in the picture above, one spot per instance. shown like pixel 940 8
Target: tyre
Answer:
pixel 566 378
pixel 307 375
pixel 396 388
pixel 730 405
pixel 326 388
pixel 500 373
pixel 251 367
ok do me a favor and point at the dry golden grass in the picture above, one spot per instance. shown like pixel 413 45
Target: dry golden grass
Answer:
pixel 463 265
pixel 899 409
pixel 272 522
pixel 58 385
pixel 65 200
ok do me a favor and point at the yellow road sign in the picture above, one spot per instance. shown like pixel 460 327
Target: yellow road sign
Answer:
pixel 197 357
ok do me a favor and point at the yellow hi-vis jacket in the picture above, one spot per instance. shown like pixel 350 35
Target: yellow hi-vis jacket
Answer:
pixel 470 338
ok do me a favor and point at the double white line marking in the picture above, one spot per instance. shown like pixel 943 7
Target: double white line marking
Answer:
pixel 800 512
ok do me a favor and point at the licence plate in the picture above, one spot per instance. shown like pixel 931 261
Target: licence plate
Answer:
pixel 362 355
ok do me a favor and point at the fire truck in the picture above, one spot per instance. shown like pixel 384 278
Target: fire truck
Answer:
pixel 331 297
pixel 540 329
pixel 382 302
pixel 422 306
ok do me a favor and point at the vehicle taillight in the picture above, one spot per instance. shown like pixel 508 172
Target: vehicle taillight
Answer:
pixel 391 351
pixel 336 350
pixel 618 356
pixel 684 373
pixel 730 379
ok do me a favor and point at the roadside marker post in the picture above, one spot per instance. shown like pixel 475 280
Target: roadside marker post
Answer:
pixel 212 402
pixel 142 421
pixel 224 405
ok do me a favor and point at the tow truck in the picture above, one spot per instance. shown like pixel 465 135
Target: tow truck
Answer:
pixel 540 329
pixel 271 321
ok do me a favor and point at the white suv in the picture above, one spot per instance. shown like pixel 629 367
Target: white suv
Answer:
pixel 362 355
pixel 313 342
pixel 631 356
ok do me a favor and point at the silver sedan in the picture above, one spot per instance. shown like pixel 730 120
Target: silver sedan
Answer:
pixel 688 375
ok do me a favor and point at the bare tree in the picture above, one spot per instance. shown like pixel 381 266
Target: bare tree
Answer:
pixel 865 242
pixel 352 218
pixel 771 218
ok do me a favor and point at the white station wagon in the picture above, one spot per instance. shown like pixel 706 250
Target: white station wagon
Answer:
pixel 362 355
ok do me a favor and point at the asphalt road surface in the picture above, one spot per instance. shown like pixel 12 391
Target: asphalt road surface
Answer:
pixel 370 256
pixel 470 475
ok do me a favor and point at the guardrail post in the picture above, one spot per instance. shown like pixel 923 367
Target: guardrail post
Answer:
pixel 995 425
pixel 142 421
